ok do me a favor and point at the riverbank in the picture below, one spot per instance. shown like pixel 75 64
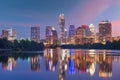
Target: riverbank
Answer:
pixel 21 45
pixel 115 45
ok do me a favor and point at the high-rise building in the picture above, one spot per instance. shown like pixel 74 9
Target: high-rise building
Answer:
pixel 71 34
pixel 88 38
pixel 54 36
pixel 87 30
pixel 62 28
pixel 92 30
pixel 80 34
pixel 10 34
pixel 71 31
pixel 66 36
pixel 105 31
pixel 48 34
pixel 35 34
pixel 4 34
pixel 51 35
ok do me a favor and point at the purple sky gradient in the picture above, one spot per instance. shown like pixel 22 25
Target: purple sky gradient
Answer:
pixel 23 14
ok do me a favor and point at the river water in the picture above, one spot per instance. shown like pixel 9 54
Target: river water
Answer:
pixel 61 64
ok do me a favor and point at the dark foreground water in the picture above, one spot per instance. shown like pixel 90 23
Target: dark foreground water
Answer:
pixel 61 64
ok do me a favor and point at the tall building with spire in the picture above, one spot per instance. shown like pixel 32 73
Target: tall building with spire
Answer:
pixel 62 28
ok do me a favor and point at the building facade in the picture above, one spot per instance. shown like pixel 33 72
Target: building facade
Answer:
pixel 51 36
pixel 71 34
pixel 79 36
pixel 62 28
pixel 10 34
pixel 105 31
pixel 4 34
pixel 35 34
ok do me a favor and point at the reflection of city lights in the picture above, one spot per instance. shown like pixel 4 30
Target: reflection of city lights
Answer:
pixel 9 67
pixel 104 74
pixel 50 65
pixel 35 63
pixel 72 67
pixel 28 59
pixel 92 69
pixel 92 51
pixel 65 53
pixel 72 51
pixel 65 67
pixel 11 63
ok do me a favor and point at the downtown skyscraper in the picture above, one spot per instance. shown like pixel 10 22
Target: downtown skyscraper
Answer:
pixel 105 32
pixel 51 35
pixel 35 34
pixel 62 29
pixel 10 34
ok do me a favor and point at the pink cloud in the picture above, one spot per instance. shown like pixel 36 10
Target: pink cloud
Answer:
pixel 91 10
pixel 116 27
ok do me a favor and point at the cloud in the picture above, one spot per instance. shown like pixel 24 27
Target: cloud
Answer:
pixel 91 10
pixel 116 27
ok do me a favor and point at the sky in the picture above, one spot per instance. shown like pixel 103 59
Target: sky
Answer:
pixel 23 14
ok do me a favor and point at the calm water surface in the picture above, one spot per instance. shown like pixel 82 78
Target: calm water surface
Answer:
pixel 61 64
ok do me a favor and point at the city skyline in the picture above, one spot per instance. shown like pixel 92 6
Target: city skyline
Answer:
pixel 21 15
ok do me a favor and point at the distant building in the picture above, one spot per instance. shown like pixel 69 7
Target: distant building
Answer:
pixel 80 34
pixel 35 34
pixel 4 34
pixel 87 38
pixel 66 36
pixel 71 31
pixel 48 34
pixel 51 35
pixel 71 34
pixel 62 28
pixel 97 38
pixel 117 38
pixel 105 31
pixel 87 30
pixel 92 30
pixel 10 34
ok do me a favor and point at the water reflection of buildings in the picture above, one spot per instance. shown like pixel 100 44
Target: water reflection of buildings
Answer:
pixel 87 63
pixel 105 65
pixel 51 58
pixel 35 63
pixel 63 63
pixel 84 61
pixel 71 61
pixel 10 64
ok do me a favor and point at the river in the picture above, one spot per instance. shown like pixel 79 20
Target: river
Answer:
pixel 61 64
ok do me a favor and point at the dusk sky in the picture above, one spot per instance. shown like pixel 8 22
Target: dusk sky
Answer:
pixel 22 14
